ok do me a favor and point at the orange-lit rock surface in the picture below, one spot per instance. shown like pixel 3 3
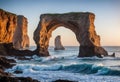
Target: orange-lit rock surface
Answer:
pixel 7 26
pixel 82 24
pixel 20 38
pixel 13 29
pixel 58 43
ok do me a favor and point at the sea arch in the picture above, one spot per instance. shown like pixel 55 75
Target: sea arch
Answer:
pixel 82 24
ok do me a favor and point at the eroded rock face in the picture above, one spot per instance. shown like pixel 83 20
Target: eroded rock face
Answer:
pixel 7 26
pixel 58 44
pixel 82 24
pixel 20 38
pixel 13 29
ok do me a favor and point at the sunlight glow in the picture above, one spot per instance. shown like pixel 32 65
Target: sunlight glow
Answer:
pixel 68 37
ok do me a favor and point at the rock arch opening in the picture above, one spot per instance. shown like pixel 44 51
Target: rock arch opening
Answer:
pixel 82 24
pixel 68 38
pixel 68 42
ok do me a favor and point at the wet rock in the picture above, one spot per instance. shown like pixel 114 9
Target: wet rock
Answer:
pixel 7 77
pixel 16 79
pixel 5 63
pixel 64 81
pixel 26 79
pixel 8 50
pixel 18 72
pixel 23 58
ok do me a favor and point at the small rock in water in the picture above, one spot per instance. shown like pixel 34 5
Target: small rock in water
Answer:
pixel 58 44
pixel 18 72
pixel 59 80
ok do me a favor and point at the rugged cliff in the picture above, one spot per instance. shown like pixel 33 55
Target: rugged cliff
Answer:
pixel 13 29
pixel 8 23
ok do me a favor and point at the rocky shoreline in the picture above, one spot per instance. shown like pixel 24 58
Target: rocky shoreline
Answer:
pixel 14 38
pixel 7 77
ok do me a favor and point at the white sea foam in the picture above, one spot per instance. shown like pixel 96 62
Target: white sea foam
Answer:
pixel 65 65
pixel 49 73
pixel 49 76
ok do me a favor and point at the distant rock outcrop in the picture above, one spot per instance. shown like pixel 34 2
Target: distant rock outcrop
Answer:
pixel 58 44
pixel 82 24
pixel 20 38
pixel 13 29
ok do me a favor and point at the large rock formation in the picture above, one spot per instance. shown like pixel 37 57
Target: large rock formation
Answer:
pixel 8 22
pixel 82 24
pixel 58 44
pixel 13 29
pixel 20 38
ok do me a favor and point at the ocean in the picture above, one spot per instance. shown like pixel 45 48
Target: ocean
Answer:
pixel 65 65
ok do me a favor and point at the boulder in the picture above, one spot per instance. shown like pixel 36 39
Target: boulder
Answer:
pixel 4 64
pixel 58 44
pixel 81 23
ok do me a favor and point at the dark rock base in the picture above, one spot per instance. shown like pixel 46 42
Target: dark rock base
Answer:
pixel 6 77
pixel 16 79
pixel 89 51
pixel 9 50
pixel 64 81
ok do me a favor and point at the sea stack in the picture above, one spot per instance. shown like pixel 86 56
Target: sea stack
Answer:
pixel 20 38
pixel 58 44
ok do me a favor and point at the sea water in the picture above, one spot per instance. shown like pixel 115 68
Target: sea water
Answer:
pixel 65 65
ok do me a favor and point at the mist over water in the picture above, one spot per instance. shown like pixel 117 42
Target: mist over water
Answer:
pixel 64 64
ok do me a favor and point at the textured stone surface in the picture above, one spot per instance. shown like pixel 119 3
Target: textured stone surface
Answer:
pixel 7 26
pixel 13 29
pixel 82 24
pixel 4 64
pixel 58 44
pixel 20 38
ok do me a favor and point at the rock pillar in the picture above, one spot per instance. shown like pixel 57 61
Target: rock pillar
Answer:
pixel 20 38
pixel 58 44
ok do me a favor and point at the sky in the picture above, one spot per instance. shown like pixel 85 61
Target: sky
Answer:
pixel 107 20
